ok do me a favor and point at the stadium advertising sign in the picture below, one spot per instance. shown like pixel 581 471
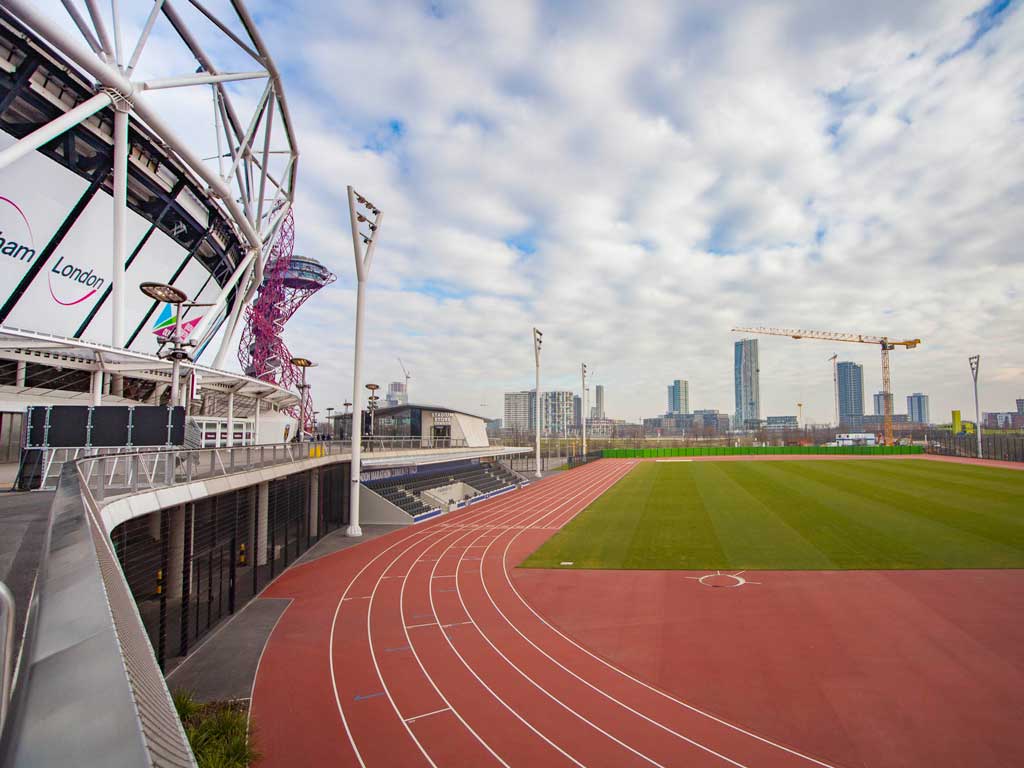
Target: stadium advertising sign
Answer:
pixel 35 197
pixel 60 286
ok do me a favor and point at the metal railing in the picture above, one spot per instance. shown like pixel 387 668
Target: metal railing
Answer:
pixel 133 470
pixel 88 691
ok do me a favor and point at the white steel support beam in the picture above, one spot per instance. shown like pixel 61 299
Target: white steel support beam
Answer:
pixel 120 254
pixel 19 375
pixel 231 419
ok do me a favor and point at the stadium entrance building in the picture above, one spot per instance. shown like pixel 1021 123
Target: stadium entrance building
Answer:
pixel 430 425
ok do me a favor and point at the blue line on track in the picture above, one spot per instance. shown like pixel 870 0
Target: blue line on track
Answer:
pixel 368 696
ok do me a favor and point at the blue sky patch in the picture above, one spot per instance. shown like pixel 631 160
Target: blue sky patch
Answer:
pixel 985 20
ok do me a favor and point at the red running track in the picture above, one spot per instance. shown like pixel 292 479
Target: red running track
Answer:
pixel 417 649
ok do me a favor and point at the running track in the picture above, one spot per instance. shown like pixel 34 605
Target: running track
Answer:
pixel 416 649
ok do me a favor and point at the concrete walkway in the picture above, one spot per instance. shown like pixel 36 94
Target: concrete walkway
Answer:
pixel 224 664
pixel 24 518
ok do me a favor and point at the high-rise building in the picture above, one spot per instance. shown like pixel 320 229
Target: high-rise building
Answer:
pixel 1020 406
pixel 520 411
pixel 397 394
pixel 747 379
pixel 851 393
pixel 577 412
pixel 599 401
pixel 880 398
pixel 917 408
pixel 679 397
pixel 557 411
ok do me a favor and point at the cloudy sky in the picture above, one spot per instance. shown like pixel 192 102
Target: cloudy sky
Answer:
pixel 637 178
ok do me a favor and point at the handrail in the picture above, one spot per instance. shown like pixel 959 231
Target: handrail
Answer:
pixel 88 690
pixel 6 648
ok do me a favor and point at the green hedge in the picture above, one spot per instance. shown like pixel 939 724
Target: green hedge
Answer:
pixel 746 450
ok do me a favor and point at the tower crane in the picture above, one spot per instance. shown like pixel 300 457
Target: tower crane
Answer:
pixel 407 377
pixel 884 342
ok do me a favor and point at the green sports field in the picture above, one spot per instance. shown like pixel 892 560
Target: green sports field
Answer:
pixel 798 515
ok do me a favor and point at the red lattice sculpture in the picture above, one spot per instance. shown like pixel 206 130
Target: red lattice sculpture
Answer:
pixel 288 280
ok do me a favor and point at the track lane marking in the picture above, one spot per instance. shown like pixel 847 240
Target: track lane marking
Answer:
pixel 611 666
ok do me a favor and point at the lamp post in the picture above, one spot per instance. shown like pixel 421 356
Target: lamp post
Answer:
pixel 975 361
pixel 583 407
pixel 538 340
pixel 303 363
pixel 330 419
pixel 365 228
pixel 179 350
pixel 371 403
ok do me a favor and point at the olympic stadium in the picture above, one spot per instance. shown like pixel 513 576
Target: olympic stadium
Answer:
pixel 195 569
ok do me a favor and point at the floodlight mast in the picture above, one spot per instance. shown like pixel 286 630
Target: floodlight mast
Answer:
pixel 583 407
pixel 363 246
pixel 538 340
pixel 975 361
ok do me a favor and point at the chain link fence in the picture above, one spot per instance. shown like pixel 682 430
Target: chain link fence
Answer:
pixel 1001 447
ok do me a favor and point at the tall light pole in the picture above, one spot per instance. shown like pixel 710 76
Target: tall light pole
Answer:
pixel 303 363
pixel 975 361
pixel 583 406
pixel 371 403
pixel 538 339
pixel 366 219
pixel 177 298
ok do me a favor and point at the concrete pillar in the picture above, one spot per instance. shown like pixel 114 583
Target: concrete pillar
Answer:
pixel 158 392
pixel 153 525
pixel 262 508
pixel 96 387
pixel 256 425
pixel 176 550
pixel 231 419
pixel 19 376
pixel 314 502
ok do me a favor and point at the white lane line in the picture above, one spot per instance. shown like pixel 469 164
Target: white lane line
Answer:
pixel 611 666
pixel 428 624
pixel 419 533
pixel 408 638
pixel 416 534
pixel 583 491
pixel 427 714
pixel 558 490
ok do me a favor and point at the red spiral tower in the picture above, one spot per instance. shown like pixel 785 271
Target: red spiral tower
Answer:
pixel 288 280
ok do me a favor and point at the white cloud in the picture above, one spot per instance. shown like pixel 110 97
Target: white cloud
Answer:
pixel 637 179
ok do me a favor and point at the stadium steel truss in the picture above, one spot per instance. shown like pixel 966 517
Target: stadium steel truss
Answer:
pixel 249 173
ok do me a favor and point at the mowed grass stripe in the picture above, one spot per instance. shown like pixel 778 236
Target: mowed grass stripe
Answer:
pixel 749 530
pixel 799 515
pixel 960 479
pixel 895 529
pixel 998 517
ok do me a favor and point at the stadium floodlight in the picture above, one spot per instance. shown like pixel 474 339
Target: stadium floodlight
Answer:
pixel 302 363
pixel 583 407
pixel 251 184
pixel 538 340
pixel 179 351
pixel 975 361
pixel 366 219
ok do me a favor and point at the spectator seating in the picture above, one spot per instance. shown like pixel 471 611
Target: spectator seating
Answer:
pixel 404 492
